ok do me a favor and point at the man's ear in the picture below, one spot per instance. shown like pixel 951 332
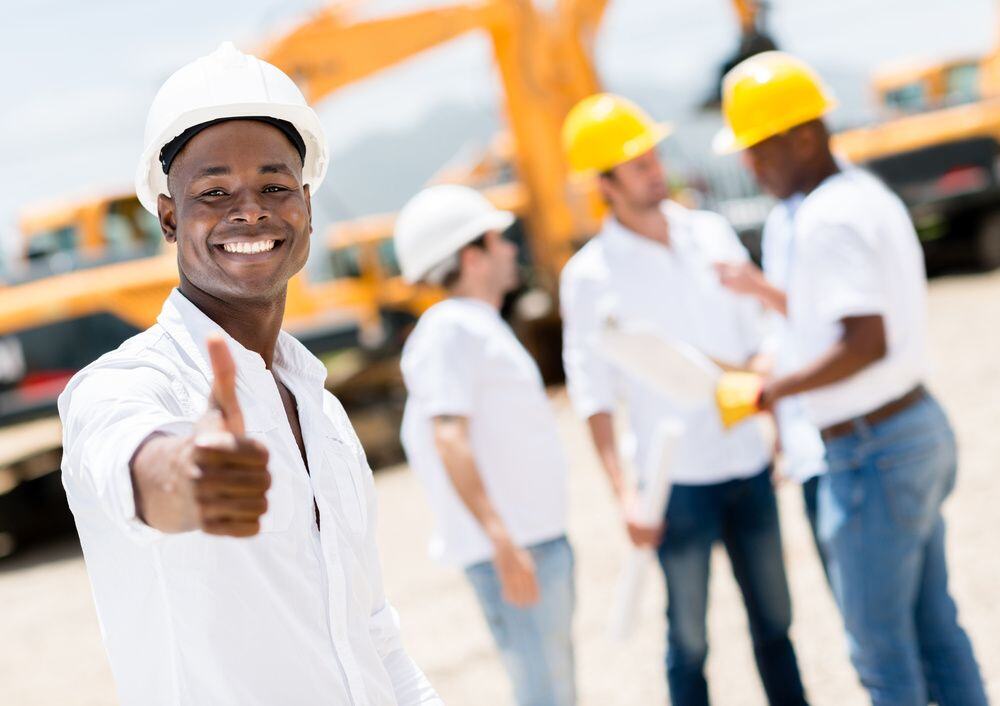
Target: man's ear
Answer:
pixel 806 139
pixel 167 215
pixel 605 185
pixel 309 206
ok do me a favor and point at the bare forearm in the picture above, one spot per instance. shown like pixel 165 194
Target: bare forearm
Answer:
pixel 453 445
pixel 155 486
pixel 772 298
pixel 862 343
pixel 602 433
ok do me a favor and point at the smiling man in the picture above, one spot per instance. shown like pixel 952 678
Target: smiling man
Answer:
pixel 224 503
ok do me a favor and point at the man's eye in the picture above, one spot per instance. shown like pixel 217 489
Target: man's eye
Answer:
pixel 213 192
pixel 274 188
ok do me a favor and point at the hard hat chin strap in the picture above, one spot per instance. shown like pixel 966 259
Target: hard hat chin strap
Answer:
pixel 170 150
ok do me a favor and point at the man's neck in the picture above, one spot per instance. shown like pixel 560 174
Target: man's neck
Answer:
pixel 254 325
pixel 650 223
pixel 482 294
pixel 823 170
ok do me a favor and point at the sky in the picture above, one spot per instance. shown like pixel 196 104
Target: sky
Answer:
pixel 79 77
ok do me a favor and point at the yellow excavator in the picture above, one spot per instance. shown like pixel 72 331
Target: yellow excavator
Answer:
pixel 937 144
pixel 94 270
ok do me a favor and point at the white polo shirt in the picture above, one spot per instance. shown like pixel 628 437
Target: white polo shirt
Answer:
pixel 293 615
pixel 855 253
pixel 675 291
pixel 462 359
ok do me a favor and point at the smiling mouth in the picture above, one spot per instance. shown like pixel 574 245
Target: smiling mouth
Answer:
pixel 250 247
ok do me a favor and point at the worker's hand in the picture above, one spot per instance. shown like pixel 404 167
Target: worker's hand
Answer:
pixel 640 533
pixel 214 480
pixel 230 471
pixel 516 570
pixel 741 277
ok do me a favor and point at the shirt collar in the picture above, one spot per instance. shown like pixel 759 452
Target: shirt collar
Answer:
pixel 623 237
pixel 190 327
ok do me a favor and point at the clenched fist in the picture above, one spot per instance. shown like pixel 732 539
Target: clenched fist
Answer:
pixel 215 480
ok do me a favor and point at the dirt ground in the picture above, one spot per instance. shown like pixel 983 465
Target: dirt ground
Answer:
pixel 50 649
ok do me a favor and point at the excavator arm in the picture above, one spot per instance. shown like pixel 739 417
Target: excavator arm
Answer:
pixel 333 49
pixel 545 64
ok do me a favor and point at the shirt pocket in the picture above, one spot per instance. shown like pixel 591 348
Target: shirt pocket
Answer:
pixel 342 485
pixel 280 496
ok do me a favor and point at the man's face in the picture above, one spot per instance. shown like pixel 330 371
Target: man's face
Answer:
pixel 773 164
pixel 639 184
pixel 238 212
pixel 495 263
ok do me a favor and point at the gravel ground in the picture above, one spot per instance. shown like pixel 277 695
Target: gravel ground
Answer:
pixel 51 653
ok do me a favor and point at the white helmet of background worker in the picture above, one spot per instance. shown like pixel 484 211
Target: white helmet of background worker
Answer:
pixel 224 85
pixel 436 224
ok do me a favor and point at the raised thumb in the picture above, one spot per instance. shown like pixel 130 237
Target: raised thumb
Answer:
pixel 223 396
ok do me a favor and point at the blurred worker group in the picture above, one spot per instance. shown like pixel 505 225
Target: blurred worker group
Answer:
pixel 833 326
pixel 227 511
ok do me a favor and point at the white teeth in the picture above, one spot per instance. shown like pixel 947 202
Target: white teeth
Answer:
pixel 249 247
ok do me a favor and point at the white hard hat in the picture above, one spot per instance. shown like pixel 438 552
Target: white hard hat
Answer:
pixel 225 84
pixel 438 222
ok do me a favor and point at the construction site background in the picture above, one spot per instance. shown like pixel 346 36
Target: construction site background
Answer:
pixel 72 130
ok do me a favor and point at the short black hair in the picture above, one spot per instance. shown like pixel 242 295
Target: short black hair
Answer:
pixel 449 280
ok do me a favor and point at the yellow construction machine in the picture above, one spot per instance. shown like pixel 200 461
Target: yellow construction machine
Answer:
pixel 937 144
pixel 95 270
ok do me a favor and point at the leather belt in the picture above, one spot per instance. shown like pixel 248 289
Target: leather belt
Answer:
pixel 895 406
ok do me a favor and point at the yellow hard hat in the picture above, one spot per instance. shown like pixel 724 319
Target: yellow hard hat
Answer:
pixel 766 95
pixel 605 130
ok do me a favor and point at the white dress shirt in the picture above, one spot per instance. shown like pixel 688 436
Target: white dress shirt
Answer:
pixel 856 253
pixel 291 616
pixel 675 291
pixel 462 359
pixel 802 449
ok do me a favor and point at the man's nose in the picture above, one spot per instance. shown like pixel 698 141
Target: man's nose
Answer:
pixel 248 208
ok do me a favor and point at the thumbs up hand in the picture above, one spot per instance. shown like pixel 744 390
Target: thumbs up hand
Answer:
pixel 215 480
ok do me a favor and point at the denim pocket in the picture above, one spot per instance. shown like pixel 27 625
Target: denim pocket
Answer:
pixel 914 475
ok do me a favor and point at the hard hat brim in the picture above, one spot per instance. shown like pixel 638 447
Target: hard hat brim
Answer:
pixel 495 221
pixel 726 141
pixel 150 181
pixel 630 150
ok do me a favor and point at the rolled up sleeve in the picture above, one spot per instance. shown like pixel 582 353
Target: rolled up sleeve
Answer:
pixel 106 415
pixel 410 685
pixel 845 278
pixel 590 379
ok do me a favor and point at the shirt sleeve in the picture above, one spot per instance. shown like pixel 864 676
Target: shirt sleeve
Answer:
pixel 106 415
pixel 844 276
pixel 445 368
pixel 749 311
pixel 410 686
pixel 590 379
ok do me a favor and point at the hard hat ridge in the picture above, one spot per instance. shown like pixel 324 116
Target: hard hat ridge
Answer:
pixel 226 84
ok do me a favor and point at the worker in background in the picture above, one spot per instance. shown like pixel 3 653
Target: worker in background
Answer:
pixel 481 436
pixel 652 265
pixel 856 307
pixel 224 503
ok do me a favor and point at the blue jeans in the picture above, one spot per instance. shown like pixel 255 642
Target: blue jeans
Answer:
pixel 810 493
pixel 880 523
pixel 742 514
pixel 536 643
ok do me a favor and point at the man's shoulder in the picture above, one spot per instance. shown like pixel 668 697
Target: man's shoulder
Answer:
pixel 450 315
pixel 713 234
pixel 589 263
pixel 139 361
pixel 847 200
